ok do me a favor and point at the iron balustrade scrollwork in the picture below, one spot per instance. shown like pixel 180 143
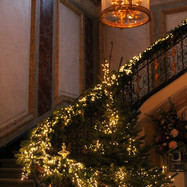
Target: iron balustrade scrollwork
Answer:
pixel 158 70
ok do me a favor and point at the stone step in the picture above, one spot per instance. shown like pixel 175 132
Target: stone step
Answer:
pixel 9 163
pixel 8 182
pixel 10 173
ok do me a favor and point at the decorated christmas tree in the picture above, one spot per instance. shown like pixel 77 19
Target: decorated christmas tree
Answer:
pixel 100 144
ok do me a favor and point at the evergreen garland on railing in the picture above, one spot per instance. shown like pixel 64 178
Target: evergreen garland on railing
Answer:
pixel 158 45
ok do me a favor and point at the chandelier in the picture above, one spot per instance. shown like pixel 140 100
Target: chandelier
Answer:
pixel 125 13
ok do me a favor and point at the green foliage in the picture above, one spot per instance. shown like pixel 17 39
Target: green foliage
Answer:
pixel 99 132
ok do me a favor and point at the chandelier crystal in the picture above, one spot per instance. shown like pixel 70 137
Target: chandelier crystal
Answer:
pixel 125 13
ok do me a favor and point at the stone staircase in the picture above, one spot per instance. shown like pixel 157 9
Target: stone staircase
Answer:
pixel 10 175
pixel 10 171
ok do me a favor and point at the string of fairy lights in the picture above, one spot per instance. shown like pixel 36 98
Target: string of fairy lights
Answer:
pixel 41 145
pixel 49 165
pixel 36 154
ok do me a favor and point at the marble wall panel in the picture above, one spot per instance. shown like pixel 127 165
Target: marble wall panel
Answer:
pixel 172 20
pixel 69 52
pixel 126 43
pixel 15 23
pixel 45 57
pixel 166 16
pixel 89 57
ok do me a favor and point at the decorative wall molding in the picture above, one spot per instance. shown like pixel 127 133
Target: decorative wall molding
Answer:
pixel 26 115
pixel 152 25
pixel 85 5
pixel 164 13
pixel 61 96
pixel 56 97
pixel 88 52
pixel 159 11
pixel 156 3
pixel 41 54
pixel 13 126
pixel 32 67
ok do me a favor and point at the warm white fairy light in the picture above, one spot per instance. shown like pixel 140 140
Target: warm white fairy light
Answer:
pixel 37 152
pixel 132 148
pixel 164 169
pixel 96 146
pixel 120 176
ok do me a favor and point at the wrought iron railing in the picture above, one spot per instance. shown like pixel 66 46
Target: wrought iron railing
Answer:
pixel 159 69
